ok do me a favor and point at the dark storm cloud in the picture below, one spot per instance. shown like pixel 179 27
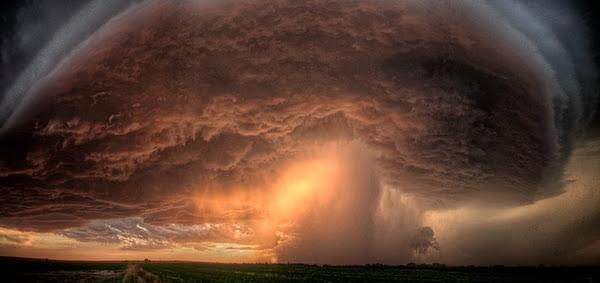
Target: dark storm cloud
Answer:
pixel 567 54
pixel 56 208
pixel 451 102
pixel 45 33
pixel 26 27
pixel 557 230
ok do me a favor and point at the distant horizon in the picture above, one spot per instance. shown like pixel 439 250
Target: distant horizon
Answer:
pixel 409 265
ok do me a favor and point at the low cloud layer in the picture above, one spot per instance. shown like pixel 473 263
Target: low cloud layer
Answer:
pixel 317 131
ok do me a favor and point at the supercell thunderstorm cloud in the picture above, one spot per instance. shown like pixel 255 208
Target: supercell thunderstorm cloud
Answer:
pixel 305 131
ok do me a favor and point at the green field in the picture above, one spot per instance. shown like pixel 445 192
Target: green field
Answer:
pixel 35 270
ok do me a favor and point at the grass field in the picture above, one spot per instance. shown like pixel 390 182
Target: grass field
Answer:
pixel 36 270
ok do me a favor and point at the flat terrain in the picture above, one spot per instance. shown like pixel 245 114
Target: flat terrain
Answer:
pixel 39 270
pixel 42 270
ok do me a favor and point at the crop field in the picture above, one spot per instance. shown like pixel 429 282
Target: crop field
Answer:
pixel 36 270
pixel 203 272
pixel 41 270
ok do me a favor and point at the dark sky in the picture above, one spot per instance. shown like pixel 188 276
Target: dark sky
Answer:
pixel 43 20
pixel 592 16
pixel 52 13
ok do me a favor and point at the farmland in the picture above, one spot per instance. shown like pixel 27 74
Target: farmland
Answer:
pixel 44 270
pixel 41 270
pixel 204 272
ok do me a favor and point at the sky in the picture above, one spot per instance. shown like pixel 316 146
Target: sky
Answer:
pixel 330 132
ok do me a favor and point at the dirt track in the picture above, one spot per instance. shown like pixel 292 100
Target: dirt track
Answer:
pixel 136 274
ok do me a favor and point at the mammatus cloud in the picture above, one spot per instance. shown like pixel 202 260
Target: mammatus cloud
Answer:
pixel 339 135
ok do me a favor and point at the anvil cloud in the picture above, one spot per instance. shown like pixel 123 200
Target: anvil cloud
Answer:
pixel 312 131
